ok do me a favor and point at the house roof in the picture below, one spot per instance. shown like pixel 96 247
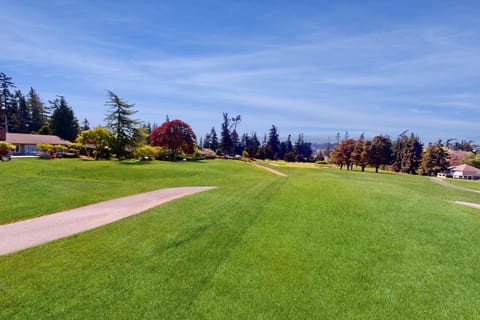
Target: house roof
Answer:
pixel 465 168
pixel 25 138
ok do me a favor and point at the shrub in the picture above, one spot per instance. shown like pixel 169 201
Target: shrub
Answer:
pixel 146 151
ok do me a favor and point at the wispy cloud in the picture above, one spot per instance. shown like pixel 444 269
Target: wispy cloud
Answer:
pixel 380 80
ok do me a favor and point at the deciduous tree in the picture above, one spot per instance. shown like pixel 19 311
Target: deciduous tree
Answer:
pixel 98 137
pixel 176 136
pixel 380 152
pixel 342 154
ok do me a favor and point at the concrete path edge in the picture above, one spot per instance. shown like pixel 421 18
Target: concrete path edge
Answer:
pixel 29 233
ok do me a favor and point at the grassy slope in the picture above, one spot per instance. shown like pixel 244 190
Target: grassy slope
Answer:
pixel 318 244
pixel 472 184
pixel 32 187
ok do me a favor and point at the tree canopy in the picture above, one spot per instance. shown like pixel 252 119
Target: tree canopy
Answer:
pixel 63 122
pixel 176 136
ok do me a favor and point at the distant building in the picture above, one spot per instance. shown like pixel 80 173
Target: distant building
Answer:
pixel 464 171
pixel 26 144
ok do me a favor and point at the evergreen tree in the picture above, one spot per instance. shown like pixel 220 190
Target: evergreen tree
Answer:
pixel 85 124
pixel 435 159
pixel 7 102
pixel 213 139
pixel 380 152
pixel 398 149
pixel 226 143
pixel 237 147
pixel 206 141
pixel 303 150
pixel 407 153
pixel 38 115
pixel 63 122
pixel 252 145
pixel 17 115
pixel 412 155
pixel 273 144
pixel 125 132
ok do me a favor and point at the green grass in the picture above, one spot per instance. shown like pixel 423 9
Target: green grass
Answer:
pixel 33 187
pixel 471 184
pixel 319 244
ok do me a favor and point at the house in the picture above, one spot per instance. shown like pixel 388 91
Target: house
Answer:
pixel 464 171
pixel 26 144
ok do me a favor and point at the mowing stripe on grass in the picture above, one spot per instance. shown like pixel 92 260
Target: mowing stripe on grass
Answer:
pixel 25 234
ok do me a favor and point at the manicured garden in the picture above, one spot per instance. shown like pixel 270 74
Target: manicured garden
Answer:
pixel 320 243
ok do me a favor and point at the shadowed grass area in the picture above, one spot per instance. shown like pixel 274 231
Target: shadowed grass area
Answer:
pixel 316 244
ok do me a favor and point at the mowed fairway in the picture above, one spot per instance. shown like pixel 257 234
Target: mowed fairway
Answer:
pixel 318 244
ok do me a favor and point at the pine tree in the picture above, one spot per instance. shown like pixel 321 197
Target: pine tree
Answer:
pixel 85 124
pixel 407 153
pixel 226 144
pixel 237 149
pixel 125 132
pixel 63 122
pixel 412 155
pixel 435 159
pixel 273 144
pixel 6 100
pixel 252 145
pixel 303 150
pixel 38 114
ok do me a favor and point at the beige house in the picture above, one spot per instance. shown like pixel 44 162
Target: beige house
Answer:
pixel 464 171
pixel 26 144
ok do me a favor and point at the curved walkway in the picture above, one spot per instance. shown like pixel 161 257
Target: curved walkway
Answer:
pixel 28 233
pixel 278 173
pixel 468 204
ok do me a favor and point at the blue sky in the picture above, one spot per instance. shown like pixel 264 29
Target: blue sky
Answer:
pixel 312 67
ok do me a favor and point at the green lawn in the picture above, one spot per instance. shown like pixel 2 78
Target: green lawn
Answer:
pixel 319 244
pixel 471 184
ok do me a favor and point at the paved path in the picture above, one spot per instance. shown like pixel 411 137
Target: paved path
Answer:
pixel 28 233
pixel 468 204
pixel 278 173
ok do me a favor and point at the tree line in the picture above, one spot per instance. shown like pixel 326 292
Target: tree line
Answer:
pixel 230 143
pixel 406 154
pixel 125 137
pixel 28 114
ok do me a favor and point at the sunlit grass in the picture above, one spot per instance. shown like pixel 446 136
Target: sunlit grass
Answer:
pixel 318 244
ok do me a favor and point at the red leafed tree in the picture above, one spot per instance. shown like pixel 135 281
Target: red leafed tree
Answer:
pixel 175 136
